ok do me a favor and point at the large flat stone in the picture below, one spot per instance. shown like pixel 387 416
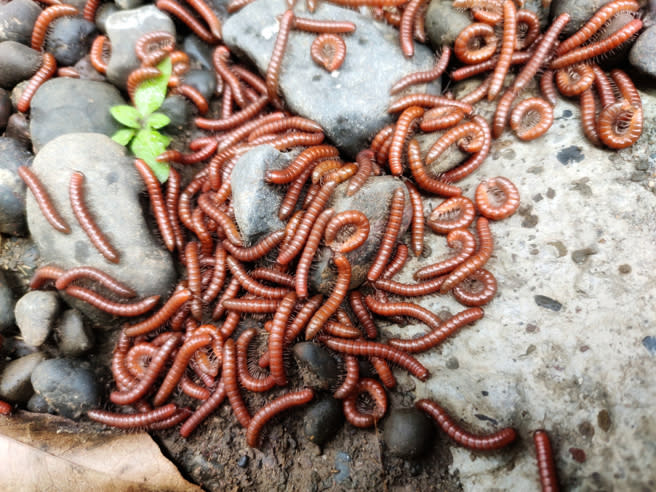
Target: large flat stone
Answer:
pixel 349 103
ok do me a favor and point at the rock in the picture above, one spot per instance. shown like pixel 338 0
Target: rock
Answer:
pixel 372 200
pixel 73 338
pixel 256 202
pixel 67 385
pixel 12 188
pixel 203 80
pixel 18 128
pixel 639 55
pixel 103 13
pixel 408 432
pixel 78 4
pixel 129 4
pixel 18 63
pixel 579 13
pixel 38 404
pixel 36 313
pixel 124 28
pixel 323 418
pixel 5 109
pixel 6 304
pixel 17 19
pixel 144 263
pixel 443 23
pixel 69 39
pixel 350 111
pixel 199 51
pixel 15 384
pixel 21 258
pixel 319 362
pixel 178 109
pixel 54 112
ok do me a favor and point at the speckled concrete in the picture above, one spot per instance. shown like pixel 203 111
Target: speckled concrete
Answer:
pixel 578 360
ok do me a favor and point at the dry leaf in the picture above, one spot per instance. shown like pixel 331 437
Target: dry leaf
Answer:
pixel 44 452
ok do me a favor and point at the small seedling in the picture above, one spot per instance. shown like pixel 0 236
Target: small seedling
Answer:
pixel 142 121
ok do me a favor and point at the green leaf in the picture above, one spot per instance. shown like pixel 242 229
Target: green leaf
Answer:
pixel 123 136
pixel 147 145
pixel 150 94
pixel 157 120
pixel 126 115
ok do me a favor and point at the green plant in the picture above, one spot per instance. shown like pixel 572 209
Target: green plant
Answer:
pixel 142 121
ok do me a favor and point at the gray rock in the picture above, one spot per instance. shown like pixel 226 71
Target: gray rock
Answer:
pixel 199 51
pixel 36 313
pixel 256 202
pixel 78 4
pixel 641 53
pixel 178 109
pixel 12 188
pixel 54 112
pixel 15 384
pixel 6 304
pixel 144 263
pixel 69 39
pixel 323 418
pixel 349 110
pixel 38 404
pixel 579 13
pixel 408 432
pixel 17 19
pixel 319 362
pixel 124 28
pixel 73 338
pixel 372 200
pixel 18 62
pixel 5 109
pixel 128 4
pixel 443 23
pixel 67 385
pixel 18 128
pixel 203 80
pixel 103 13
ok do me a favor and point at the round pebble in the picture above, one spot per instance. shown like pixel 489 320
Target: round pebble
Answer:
pixel 36 313
pixel 202 80
pixel 73 337
pixel 15 384
pixel 5 109
pixel 319 362
pixel 67 386
pixel 322 420
pixel 69 39
pixel 408 432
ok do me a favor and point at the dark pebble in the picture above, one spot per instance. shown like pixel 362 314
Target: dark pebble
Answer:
pixel 603 420
pixel 242 462
pixel 408 432
pixel 18 62
pixel 38 404
pixel 17 19
pixel 641 55
pixel 199 51
pixel 202 80
pixel 649 343
pixel 178 109
pixel 18 128
pixel 5 109
pixel 69 39
pixel 548 302
pixel 68 386
pixel 322 420
pixel 318 361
